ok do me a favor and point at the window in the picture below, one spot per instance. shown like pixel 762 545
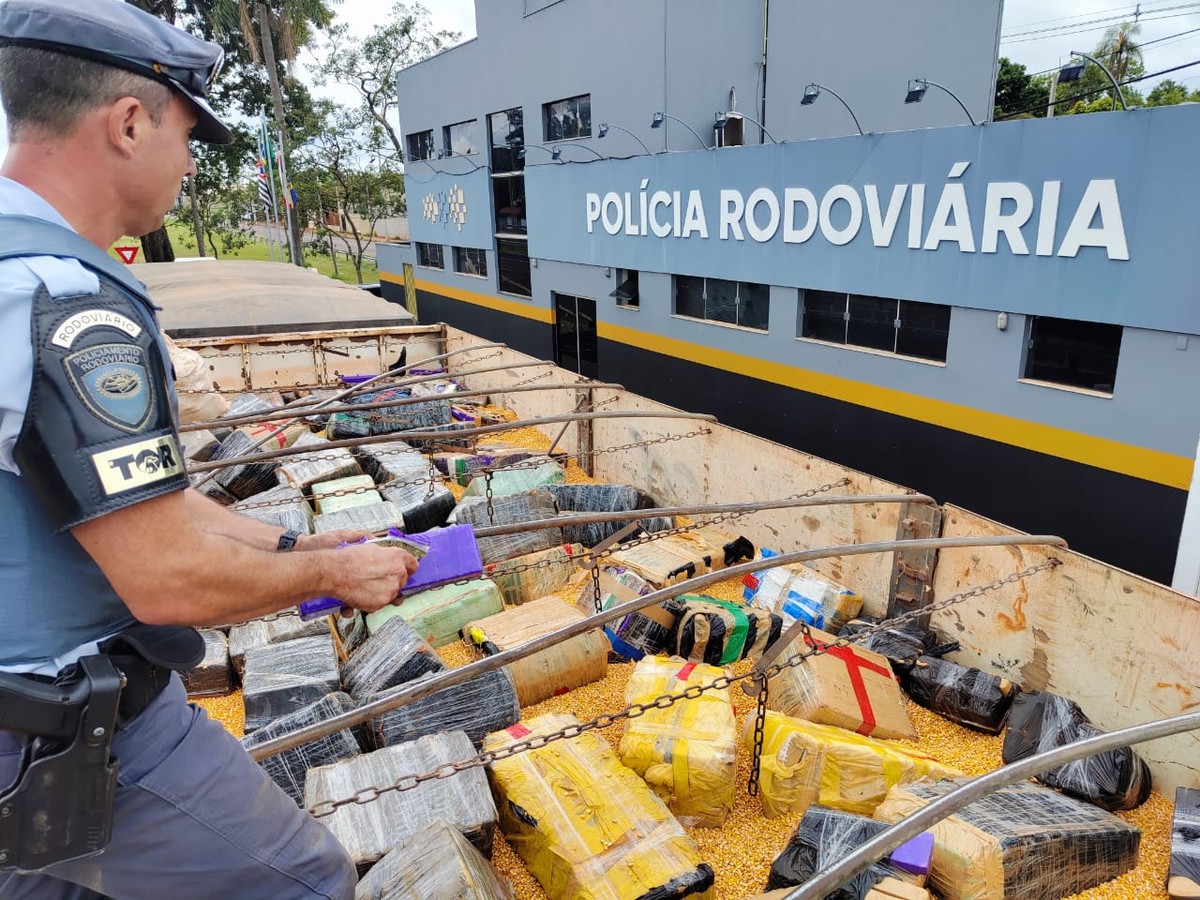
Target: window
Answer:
pixel 470 261
pixel 627 289
pixel 459 139
pixel 1078 354
pixel 570 118
pixel 512 261
pixel 431 256
pixel 717 300
pixel 508 138
pixel 420 145
pixel 509 192
pixel 904 327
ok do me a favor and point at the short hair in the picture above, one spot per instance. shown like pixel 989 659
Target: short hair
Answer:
pixel 53 91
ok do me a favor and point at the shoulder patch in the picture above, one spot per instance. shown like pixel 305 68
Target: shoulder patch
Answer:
pixel 112 380
pixel 77 323
pixel 138 464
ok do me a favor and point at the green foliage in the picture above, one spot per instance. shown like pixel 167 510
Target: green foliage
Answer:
pixel 1018 94
pixel 1169 92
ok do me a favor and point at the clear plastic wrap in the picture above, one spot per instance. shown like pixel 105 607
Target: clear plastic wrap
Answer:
pixel 801 593
pixel 718 633
pixel 583 498
pixel 343 493
pixel 245 479
pixel 282 678
pixel 477 707
pixel 289 769
pixel 1023 842
pixel 374 517
pixel 214 676
pixel 325 463
pixel 438 615
pixel 527 507
pixel 433 511
pixel 259 633
pixel 211 489
pixel 669 559
pixel 586 826
pixel 198 446
pixel 968 696
pixel 243 405
pixel 849 687
pixel 566 665
pixel 1183 877
pixel 461 467
pixel 1039 721
pixel 823 837
pixel 647 631
pixel 437 863
pixel 903 646
pixel 518 584
pixel 804 763
pixel 393 460
pixel 282 505
pixel 370 830
pixel 393 655
pixel 686 753
pixel 524 476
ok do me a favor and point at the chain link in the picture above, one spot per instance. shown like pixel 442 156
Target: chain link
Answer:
pixel 665 701
pixel 760 732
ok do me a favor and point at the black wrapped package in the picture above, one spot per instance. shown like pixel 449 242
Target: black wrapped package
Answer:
pixel 290 768
pixel 902 646
pixel 404 478
pixel 1183 877
pixel 245 479
pixel 284 506
pixel 582 498
pixel 239 406
pixel 393 655
pixel 647 631
pixel 961 694
pixel 437 863
pixel 718 633
pixel 214 676
pixel 283 678
pixel 478 707
pixel 1039 721
pixel 260 632
pixel 527 507
pixel 822 838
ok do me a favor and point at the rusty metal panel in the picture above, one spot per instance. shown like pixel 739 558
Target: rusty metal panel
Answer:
pixel 912 572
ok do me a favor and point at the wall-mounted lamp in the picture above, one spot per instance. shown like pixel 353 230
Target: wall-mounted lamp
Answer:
pixel 661 117
pixel 916 93
pixel 722 119
pixel 813 91
pixel 1073 71
pixel 603 131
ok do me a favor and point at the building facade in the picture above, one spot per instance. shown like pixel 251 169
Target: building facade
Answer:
pixel 1000 315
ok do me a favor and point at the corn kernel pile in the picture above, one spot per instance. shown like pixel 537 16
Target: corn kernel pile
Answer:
pixel 741 851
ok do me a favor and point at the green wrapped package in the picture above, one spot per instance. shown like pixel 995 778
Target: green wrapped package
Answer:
pixel 438 614
pixel 523 476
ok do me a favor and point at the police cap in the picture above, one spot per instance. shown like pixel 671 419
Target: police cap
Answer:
pixel 117 34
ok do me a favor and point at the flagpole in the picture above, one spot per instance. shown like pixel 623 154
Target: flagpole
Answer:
pixel 271 182
pixel 287 209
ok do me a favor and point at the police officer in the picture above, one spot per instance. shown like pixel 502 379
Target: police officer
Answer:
pixel 103 547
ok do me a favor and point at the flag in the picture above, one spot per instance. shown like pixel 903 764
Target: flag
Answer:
pixel 264 188
pixel 292 197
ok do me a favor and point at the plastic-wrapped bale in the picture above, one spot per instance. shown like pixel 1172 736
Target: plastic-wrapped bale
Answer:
pixel 1039 721
pixel 479 706
pixel 243 405
pixel 260 633
pixel 583 498
pixel 517 479
pixel 1183 877
pixel 552 570
pixel 903 646
pixel 528 507
pixel 374 517
pixel 213 677
pixel 245 479
pixel 393 655
pixel 548 673
pixel 823 837
pixel 718 633
pixel 585 825
pixel 404 478
pixel 677 557
pixel 462 467
pixel 282 505
pixel 437 863
pixel 403 417
pixel 325 463
pixel 849 687
pixel 393 461
pixel 647 631
pixel 211 489
pixel 1023 842
pixel 687 752
pixel 438 615
pixel 282 678
pixel 804 763
pixel 373 829
pixel 344 493
pixel 443 437
pixel 967 696
pixel 289 769
pixel 198 446
pixel 802 593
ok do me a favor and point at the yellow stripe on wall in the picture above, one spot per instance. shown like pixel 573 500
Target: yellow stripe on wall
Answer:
pixel 1114 456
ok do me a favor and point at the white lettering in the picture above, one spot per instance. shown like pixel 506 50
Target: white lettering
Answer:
pixel 593 211
pixel 1048 218
pixel 952 203
pixel 73 327
pixel 732 209
pixel 884 226
pixel 660 229
pixel 642 201
pixel 694 220
pixel 762 196
pixel 792 197
pixel 1100 200
pixel 630 225
pixel 678 209
pixel 997 222
pixel 916 215
pixel 849 196
pixel 611 201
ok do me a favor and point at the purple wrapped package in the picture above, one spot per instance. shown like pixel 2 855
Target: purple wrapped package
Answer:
pixel 915 856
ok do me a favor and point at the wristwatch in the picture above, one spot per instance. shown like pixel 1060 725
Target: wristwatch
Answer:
pixel 287 541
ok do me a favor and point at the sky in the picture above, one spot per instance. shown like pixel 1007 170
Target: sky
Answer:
pixel 1037 33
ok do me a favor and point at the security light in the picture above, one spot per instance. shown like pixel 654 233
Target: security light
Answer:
pixel 1072 71
pixel 811 93
pixel 916 91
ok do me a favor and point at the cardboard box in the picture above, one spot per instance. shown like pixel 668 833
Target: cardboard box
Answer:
pixel 894 889
pixel 850 687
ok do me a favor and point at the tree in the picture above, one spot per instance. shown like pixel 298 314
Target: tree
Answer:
pixel 222 193
pixel 1169 92
pixel 1018 94
pixel 369 66
pixel 1120 53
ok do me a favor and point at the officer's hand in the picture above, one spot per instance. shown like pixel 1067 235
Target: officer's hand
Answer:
pixel 369 577
pixel 331 540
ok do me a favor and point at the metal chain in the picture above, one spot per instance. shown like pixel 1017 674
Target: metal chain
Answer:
pixel 597 597
pixel 760 732
pixel 666 701
pixel 491 512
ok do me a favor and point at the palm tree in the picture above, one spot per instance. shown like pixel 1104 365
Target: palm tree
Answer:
pixel 1120 52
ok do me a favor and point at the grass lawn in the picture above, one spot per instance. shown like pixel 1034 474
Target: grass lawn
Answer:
pixel 184 242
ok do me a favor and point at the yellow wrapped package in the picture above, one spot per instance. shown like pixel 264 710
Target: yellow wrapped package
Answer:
pixel 687 753
pixel 805 763
pixel 587 827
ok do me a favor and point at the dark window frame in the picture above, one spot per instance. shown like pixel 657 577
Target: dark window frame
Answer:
pixel 506 157
pixel 509 271
pixel 420 142
pixel 448 137
pixel 879 324
pixel 510 205
pixel 552 132
pixel 425 255
pixel 468 255
pixel 1067 353
pixel 628 290
pixel 715 309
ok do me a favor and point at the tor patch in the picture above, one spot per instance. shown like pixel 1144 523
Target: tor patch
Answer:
pixel 113 382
